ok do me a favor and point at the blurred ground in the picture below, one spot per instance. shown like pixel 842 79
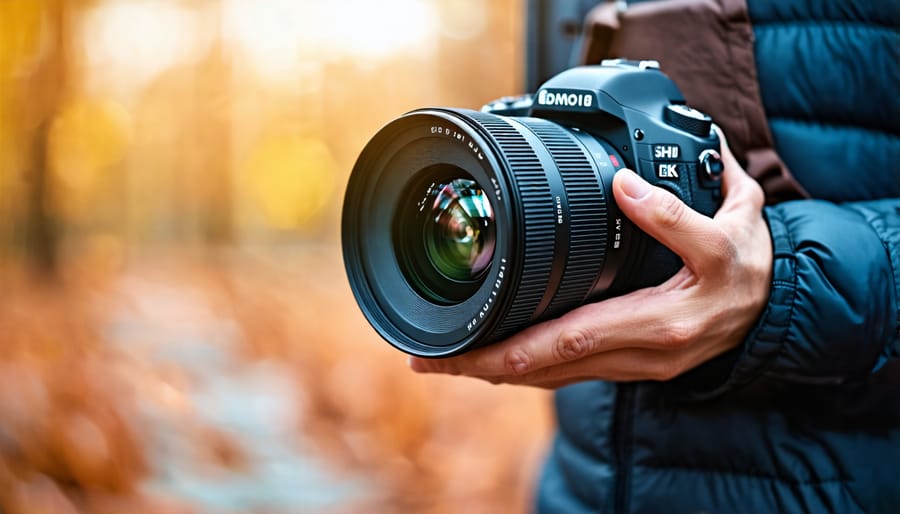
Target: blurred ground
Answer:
pixel 239 382
pixel 176 331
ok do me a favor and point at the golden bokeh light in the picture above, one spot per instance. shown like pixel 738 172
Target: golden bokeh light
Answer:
pixel 137 40
pixel 273 32
pixel 86 140
pixel 20 26
pixel 462 19
pixel 291 178
pixel 20 38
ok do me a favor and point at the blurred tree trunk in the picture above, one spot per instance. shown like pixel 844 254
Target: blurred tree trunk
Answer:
pixel 214 95
pixel 41 228
pixel 215 152
pixel 42 91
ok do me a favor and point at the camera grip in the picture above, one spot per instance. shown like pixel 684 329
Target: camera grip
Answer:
pixel 658 265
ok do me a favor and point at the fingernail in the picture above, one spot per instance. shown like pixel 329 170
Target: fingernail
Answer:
pixel 633 185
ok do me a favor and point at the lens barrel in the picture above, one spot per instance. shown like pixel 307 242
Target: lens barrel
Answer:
pixel 462 227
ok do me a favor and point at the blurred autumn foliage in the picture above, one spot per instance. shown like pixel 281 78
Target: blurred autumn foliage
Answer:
pixel 176 330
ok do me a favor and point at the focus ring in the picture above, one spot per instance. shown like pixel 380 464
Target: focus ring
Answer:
pixel 587 215
pixel 537 219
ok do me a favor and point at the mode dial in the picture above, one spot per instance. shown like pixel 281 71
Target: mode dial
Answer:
pixel 688 119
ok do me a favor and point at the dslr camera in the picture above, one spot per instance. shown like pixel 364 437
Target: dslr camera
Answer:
pixel 462 227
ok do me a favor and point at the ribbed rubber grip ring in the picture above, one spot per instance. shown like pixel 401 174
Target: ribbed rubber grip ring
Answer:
pixel 537 216
pixel 587 216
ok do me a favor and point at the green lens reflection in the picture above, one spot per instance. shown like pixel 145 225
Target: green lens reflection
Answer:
pixel 459 233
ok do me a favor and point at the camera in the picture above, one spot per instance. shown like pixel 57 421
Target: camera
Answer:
pixel 462 227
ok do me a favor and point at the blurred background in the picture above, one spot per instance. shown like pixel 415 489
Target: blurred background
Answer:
pixel 176 330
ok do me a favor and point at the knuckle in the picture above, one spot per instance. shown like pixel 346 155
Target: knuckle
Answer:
pixel 571 344
pixel 517 362
pixel 723 250
pixel 678 335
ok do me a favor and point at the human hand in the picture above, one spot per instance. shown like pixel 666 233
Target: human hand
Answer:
pixel 654 333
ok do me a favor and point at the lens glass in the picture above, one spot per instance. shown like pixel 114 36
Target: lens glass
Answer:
pixel 458 232
pixel 445 234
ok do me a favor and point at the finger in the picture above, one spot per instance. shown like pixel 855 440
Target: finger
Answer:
pixel 724 148
pixel 741 192
pixel 694 237
pixel 621 322
pixel 625 365
pixel 621 365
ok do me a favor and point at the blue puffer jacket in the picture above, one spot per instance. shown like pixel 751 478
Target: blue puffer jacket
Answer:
pixel 805 415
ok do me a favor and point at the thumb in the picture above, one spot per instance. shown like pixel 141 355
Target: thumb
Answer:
pixel 667 219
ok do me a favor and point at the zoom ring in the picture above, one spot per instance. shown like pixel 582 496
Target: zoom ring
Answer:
pixel 538 220
pixel 587 215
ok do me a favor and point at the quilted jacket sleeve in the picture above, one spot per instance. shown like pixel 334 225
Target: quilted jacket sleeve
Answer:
pixel 832 316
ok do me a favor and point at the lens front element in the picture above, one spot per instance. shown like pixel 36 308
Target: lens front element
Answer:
pixel 445 234
pixel 459 231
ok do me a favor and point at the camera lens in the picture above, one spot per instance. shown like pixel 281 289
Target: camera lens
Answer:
pixel 462 227
pixel 453 235
pixel 445 234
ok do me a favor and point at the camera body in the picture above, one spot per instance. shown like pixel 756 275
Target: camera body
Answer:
pixel 462 227
pixel 638 109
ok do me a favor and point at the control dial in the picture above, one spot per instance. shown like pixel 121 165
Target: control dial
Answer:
pixel 712 164
pixel 688 119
